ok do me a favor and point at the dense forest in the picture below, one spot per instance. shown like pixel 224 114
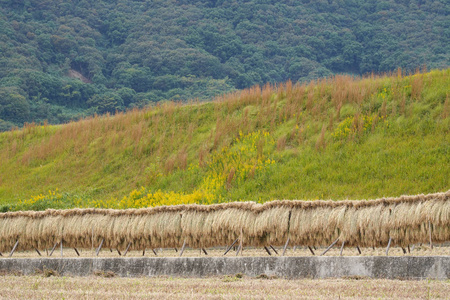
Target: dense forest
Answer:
pixel 61 59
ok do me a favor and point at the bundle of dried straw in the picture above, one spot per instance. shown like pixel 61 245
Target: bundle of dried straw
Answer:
pixel 405 220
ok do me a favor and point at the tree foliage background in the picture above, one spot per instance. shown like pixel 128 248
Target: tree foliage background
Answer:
pixel 62 59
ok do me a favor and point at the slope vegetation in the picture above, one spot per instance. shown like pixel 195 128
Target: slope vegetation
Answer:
pixel 336 138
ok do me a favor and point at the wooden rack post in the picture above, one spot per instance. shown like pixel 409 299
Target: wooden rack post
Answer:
pixel 229 248
pixel 240 244
pixel 285 247
pixel 126 251
pixel 53 249
pixel 14 248
pixel 388 246
pixel 274 250
pixel 99 247
pixel 431 243
pixel 182 248
pixel 342 248
pixel 239 249
pixel 329 247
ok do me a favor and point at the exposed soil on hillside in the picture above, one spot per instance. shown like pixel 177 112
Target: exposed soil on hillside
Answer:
pixel 74 74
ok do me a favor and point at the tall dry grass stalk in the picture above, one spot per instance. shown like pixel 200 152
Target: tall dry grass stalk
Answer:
pixel 446 109
pixel 320 143
pixel 365 223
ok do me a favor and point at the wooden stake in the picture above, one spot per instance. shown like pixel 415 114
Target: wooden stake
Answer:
pixel 14 248
pixel 1 254
pixel 38 251
pixel 274 249
pixel 359 250
pixel 143 252
pixel 99 247
pixel 285 247
pixel 78 253
pixel 404 250
pixel 431 243
pixel 182 248
pixel 53 249
pixel 204 251
pixel 154 252
pixel 176 250
pixel 310 249
pixel 229 248
pixel 409 250
pixel 61 244
pixel 267 250
pixel 118 251
pixel 110 250
pixel 240 243
pixel 239 249
pixel 329 247
pixel 342 248
pixel 126 251
pixel 388 246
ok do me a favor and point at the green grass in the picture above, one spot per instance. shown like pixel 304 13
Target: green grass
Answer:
pixel 332 139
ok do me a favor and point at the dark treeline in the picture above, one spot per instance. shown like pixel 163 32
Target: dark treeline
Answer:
pixel 62 59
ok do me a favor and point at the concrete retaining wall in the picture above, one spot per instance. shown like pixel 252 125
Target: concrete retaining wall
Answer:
pixel 408 267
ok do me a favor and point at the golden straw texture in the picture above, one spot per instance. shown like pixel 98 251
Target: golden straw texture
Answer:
pixel 366 223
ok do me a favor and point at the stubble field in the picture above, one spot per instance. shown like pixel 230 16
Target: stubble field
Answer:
pixel 228 287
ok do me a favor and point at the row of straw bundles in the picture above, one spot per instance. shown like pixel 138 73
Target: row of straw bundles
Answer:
pixel 406 220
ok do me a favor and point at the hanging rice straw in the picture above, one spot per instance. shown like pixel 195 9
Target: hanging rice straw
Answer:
pixel 370 223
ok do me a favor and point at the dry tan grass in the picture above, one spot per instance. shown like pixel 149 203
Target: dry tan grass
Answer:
pixel 423 250
pixel 228 287
pixel 406 220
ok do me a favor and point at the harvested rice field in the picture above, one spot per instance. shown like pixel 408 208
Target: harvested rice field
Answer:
pixel 227 287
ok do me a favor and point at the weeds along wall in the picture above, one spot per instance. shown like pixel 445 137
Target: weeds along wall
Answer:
pixel 406 220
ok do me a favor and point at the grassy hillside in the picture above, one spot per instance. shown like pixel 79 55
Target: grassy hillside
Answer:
pixel 334 138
